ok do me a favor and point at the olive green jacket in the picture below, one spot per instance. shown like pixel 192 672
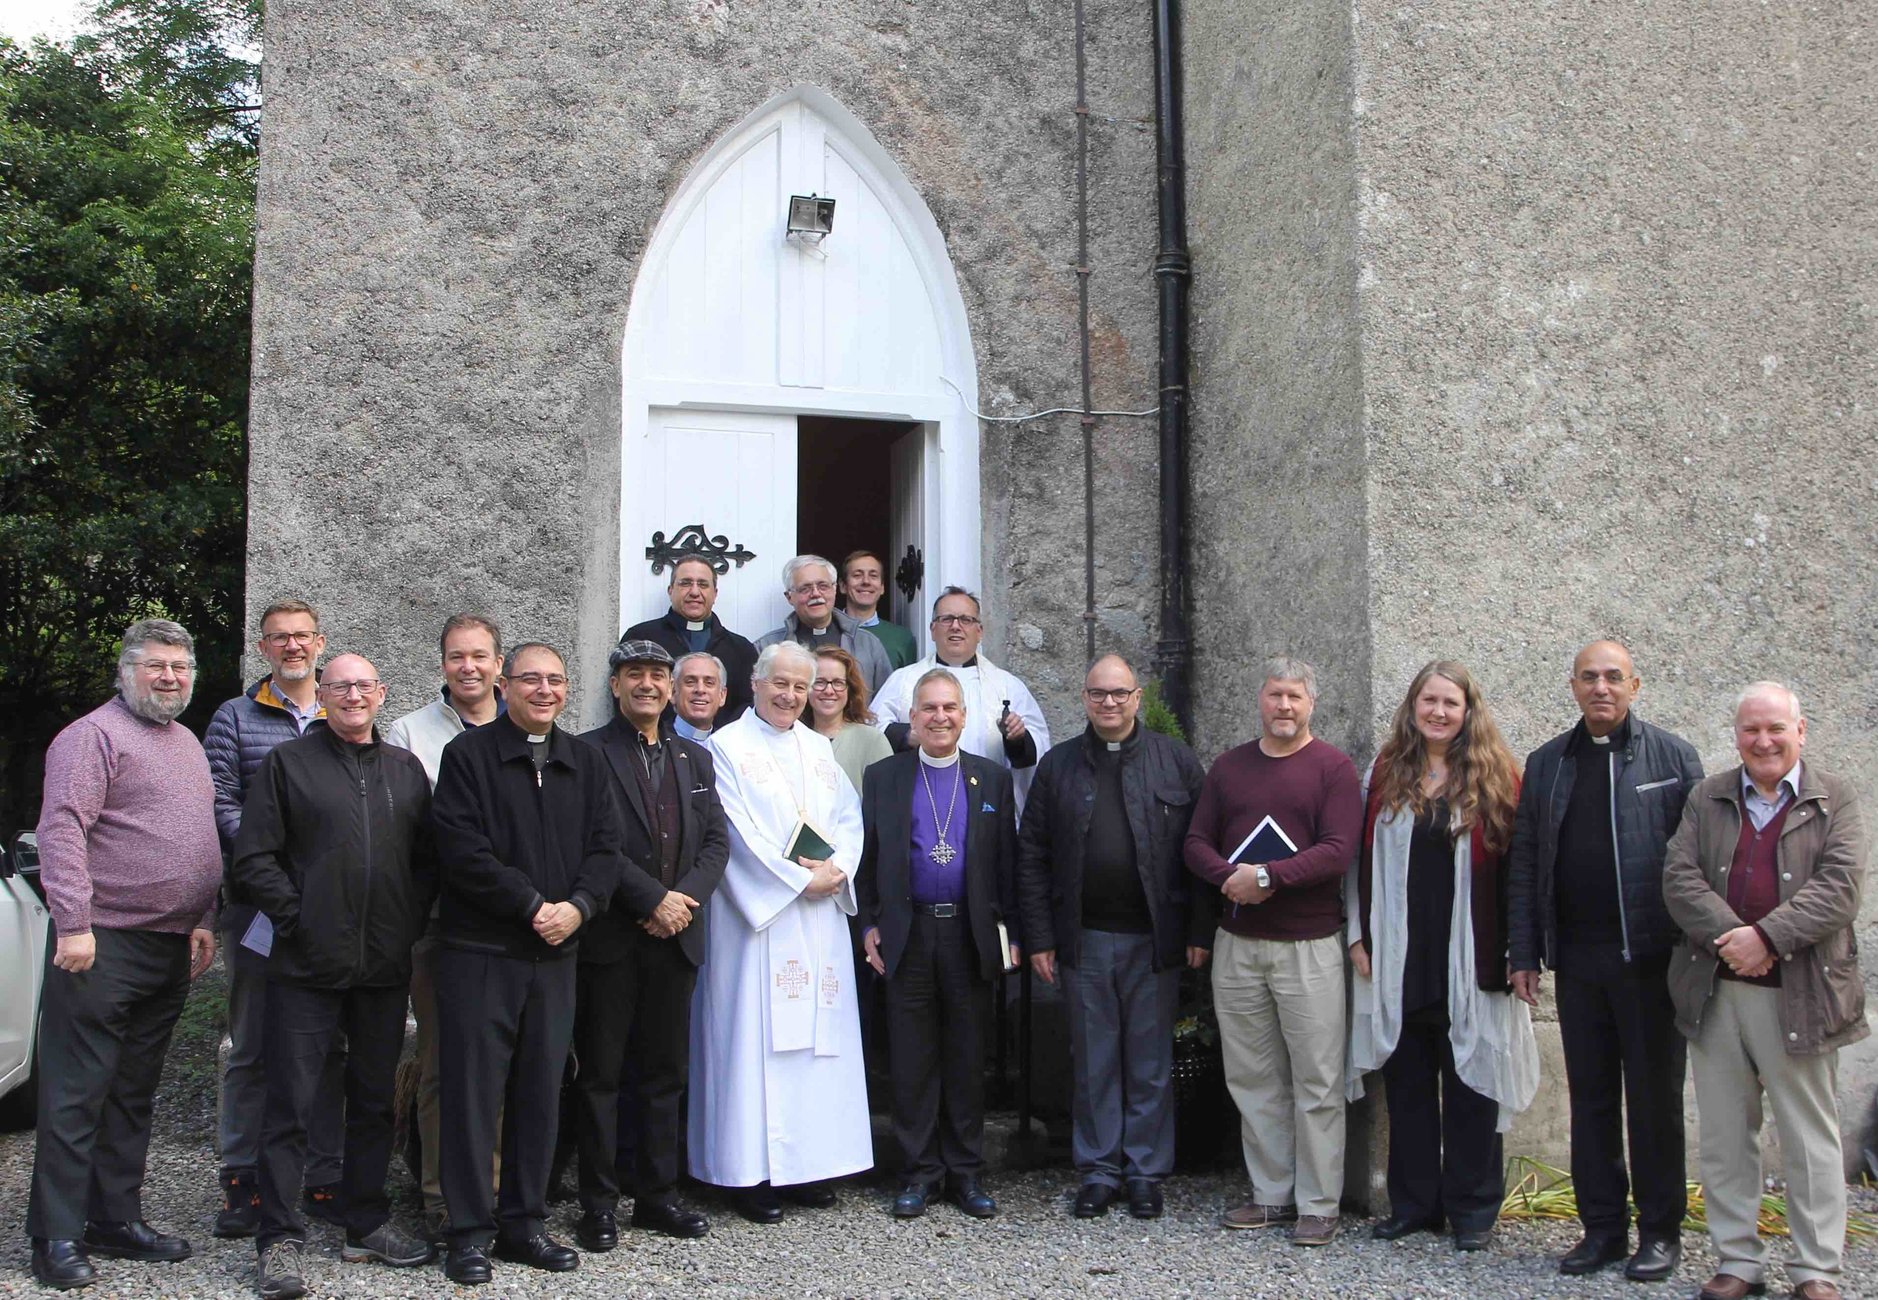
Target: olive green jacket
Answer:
pixel 1821 856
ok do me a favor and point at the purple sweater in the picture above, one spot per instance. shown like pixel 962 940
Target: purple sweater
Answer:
pixel 127 837
pixel 1316 797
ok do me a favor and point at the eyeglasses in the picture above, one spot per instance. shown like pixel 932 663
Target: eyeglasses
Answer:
pixel 695 584
pixel 1096 695
pixel 278 639
pixel 529 681
pixel 955 620
pixel 157 667
pixel 339 690
pixel 830 683
pixel 811 588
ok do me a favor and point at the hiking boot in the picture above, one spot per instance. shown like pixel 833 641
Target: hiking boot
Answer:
pixel 241 1204
pixel 279 1275
pixel 387 1245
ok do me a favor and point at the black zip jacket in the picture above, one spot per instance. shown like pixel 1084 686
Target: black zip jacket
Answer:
pixel 1161 779
pixel 509 840
pixel 1650 784
pixel 335 847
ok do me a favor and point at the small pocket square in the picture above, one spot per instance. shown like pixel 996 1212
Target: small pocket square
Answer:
pixel 986 808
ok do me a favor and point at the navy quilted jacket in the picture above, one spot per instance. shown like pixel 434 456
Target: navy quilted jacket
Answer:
pixel 240 735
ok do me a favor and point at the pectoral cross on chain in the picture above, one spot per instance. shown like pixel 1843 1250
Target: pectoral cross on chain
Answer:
pixel 942 853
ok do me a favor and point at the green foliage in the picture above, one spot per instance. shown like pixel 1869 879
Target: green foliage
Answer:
pixel 1156 716
pixel 126 250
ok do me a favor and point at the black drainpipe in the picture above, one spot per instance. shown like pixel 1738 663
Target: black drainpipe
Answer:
pixel 1173 272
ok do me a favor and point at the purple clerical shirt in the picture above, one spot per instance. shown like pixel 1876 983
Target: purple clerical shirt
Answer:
pixel 933 882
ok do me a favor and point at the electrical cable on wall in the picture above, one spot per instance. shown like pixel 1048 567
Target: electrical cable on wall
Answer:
pixel 1038 415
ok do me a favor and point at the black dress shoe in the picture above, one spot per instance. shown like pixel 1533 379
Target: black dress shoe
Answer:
pixel 1655 1260
pixel 670 1218
pixel 758 1204
pixel 971 1198
pixel 1471 1239
pixel 133 1240
pixel 1093 1200
pixel 912 1201
pixel 539 1251
pixel 597 1231
pixel 467 1265
pixel 61 1264
pixel 1144 1198
pixel 1397 1226
pixel 816 1196
pixel 1592 1254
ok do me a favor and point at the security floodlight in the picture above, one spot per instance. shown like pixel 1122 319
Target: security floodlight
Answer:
pixel 811 218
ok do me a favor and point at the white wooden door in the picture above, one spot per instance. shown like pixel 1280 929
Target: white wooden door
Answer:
pixel 909 530
pixel 721 482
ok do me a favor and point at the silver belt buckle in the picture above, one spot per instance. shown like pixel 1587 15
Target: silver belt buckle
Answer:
pixel 943 911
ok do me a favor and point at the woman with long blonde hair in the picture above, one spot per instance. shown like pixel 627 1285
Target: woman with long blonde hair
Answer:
pixel 1427 932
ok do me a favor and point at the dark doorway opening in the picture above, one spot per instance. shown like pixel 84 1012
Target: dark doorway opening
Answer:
pixel 844 490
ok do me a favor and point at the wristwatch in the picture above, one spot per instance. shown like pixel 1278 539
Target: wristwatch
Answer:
pixel 1264 878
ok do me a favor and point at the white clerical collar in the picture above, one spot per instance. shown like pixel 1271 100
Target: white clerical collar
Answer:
pixel 1601 740
pixel 950 760
pixel 533 739
pixel 693 627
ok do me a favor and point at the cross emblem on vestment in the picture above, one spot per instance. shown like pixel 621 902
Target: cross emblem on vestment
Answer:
pixel 792 979
pixel 942 853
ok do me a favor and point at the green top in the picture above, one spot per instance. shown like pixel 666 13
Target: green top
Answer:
pixel 897 641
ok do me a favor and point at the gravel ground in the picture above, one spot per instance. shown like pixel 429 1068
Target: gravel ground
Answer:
pixel 856 1249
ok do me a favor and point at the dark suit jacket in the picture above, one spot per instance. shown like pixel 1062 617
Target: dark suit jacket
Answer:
pixel 883 881
pixel 704 844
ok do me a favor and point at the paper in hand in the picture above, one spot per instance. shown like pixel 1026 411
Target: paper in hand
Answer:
pixel 259 936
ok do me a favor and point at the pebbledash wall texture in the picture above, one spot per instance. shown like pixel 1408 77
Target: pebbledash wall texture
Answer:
pixel 1514 326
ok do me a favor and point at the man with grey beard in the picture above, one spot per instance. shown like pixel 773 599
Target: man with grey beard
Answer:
pixel 130 863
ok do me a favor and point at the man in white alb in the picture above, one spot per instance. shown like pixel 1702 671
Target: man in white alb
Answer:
pixel 778 1089
pixel 1004 722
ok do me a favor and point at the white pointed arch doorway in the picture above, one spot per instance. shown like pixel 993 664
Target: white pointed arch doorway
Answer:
pixel 755 366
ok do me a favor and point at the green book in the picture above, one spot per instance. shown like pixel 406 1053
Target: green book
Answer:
pixel 807 842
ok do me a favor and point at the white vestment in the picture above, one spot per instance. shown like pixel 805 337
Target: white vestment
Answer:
pixel 778 1087
pixel 986 687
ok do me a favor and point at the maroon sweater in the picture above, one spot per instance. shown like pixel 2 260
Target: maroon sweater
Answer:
pixel 1315 797
pixel 127 837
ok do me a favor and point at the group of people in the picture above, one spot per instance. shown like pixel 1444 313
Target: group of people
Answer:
pixel 699 900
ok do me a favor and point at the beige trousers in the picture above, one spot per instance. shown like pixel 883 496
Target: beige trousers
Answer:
pixel 1739 1053
pixel 1282 1033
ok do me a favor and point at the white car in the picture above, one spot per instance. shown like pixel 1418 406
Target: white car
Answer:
pixel 24 929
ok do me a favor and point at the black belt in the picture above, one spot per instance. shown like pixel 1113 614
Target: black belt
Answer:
pixel 944 911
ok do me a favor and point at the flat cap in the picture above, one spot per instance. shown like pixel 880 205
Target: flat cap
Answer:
pixel 638 652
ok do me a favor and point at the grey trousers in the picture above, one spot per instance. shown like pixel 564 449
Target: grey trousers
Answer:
pixel 1739 1054
pixel 1121 1035
pixel 244 1077
pixel 102 1038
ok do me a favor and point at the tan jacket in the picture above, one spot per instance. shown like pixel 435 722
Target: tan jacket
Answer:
pixel 1822 867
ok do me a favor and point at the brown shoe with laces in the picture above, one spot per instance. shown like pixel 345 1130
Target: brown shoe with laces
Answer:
pixel 1314 1230
pixel 1254 1215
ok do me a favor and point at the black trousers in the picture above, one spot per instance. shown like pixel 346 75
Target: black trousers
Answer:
pixel 937 1005
pixel 1624 1059
pixel 102 1038
pixel 302 1026
pixel 637 1009
pixel 505 1026
pixel 1446 1158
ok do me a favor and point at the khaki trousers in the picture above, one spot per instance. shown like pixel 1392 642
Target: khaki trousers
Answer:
pixel 1739 1053
pixel 1283 1036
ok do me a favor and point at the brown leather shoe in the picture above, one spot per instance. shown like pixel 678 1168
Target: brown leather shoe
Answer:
pixel 1726 1286
pixel 1816 1289
pixel 1314 1230
pixel 1254 1215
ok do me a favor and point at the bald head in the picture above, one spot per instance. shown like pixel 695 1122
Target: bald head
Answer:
pixel 1111 696
pixel 1604 682
pixel 352 694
